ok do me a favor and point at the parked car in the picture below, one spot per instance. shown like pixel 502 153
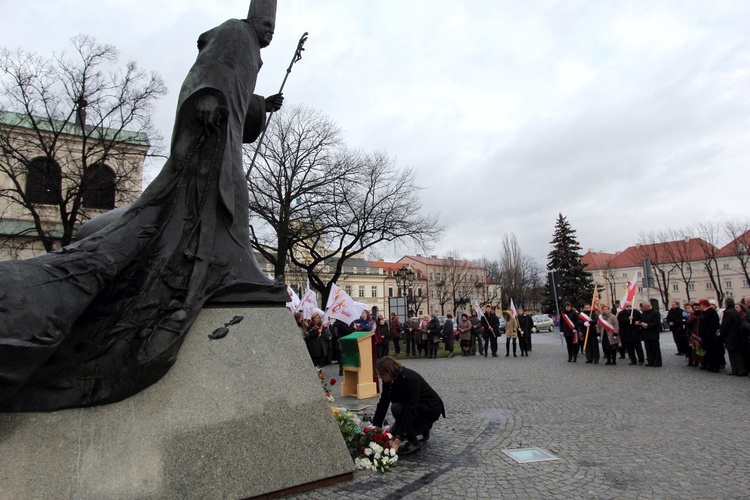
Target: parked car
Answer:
pixel 664 323
pixel 502 323
pixel 542 322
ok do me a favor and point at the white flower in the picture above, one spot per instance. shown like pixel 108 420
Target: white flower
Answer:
pixel 368 451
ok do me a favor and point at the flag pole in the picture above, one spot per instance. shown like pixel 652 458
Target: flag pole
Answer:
pixel 588 328
pixel 297 56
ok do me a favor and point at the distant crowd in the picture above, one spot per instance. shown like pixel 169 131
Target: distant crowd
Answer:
pixel 703 333
pixel 476 332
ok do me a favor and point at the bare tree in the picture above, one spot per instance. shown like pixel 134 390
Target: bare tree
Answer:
pixel 738 233
pixel 652 246
pixel 679 253
pixel 459 283
pixel 292 180
pixel 73 135
pixel 518 273
pixel 708 235
pixel 318 203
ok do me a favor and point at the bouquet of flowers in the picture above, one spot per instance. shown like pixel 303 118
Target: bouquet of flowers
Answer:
pixel 371 447
pixel 379 454
pixel 323 382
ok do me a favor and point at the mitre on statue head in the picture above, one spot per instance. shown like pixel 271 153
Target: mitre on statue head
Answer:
pixel 262 8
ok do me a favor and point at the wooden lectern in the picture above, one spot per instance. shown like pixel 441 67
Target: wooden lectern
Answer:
pixel 359 365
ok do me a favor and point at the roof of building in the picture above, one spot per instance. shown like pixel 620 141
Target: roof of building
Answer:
pixel 12 119
pixel 393 266
pixel 437 261
pixel 730 249
pixel 659 253
pixel 597 260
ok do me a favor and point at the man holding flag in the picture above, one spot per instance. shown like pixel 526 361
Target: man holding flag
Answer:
pixel 630 333
pixel 588 321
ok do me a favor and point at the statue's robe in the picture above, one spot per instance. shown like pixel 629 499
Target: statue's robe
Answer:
pixel 103 318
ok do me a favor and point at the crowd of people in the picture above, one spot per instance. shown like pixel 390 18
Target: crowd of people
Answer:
pixel 702 332
pixel 422 336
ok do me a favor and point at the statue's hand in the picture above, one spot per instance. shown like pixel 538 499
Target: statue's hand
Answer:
pixel 274 102
pixel 210 112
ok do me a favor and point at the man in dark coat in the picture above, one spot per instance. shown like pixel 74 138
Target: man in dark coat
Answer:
pixel 491 325
pixel 650 325
pixel 525 324
pixel 414 404
pixel 587 328
pixel 732 335
pixel 676 326
pixel 630 333
pixel 569 329
pixel 709 333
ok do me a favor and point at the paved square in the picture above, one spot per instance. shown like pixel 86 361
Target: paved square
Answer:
pixel 619 431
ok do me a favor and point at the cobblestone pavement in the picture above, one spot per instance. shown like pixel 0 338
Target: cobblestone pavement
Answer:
pixel 619 431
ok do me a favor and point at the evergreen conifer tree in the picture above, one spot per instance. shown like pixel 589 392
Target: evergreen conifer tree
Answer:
pixel 575 283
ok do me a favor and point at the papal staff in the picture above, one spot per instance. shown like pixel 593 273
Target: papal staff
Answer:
pixel 297 56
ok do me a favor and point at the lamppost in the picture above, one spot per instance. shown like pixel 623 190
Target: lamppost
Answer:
pixel 404 281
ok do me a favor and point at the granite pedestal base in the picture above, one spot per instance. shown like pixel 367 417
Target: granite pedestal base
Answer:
pixel 237 417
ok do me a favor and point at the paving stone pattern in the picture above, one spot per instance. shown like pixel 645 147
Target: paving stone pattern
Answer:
pixel 619 431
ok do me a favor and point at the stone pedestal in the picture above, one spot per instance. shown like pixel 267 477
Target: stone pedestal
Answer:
pixel 234 418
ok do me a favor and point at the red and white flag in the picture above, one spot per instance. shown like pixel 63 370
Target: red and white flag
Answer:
pixel 513 309
pixel 606 325
pixel 630 289
pixel 568 321
pixel 584 316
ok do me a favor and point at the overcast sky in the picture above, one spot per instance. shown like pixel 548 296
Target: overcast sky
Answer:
pixel 623 116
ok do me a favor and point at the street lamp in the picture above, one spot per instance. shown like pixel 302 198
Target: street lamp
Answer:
pixel 404 278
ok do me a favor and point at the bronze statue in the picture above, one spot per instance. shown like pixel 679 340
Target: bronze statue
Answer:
pixel 103 318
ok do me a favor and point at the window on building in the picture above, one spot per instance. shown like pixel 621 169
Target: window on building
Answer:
pixel 390 291
pixel 730 294
pixel 432 293
pixel 432 276
pixel 689 268
pixel 348 290
pixel 640 289
pixel 354 270
pixel 43 181
pixel 675 288
pixel 726 266
pixel 390 272
pixel 709 286
pixel 624 275
pixel 98 187
pixel 374 291
pixel 728 284
pixel 361 291
pixel 691 286
pixel 744 284
pixel 419 292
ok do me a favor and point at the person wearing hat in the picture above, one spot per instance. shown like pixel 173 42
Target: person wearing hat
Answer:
pixel 184 241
